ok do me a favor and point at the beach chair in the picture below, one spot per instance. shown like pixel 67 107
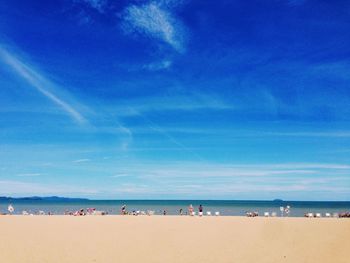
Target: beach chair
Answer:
pixel 309 215
pixel 217 213
pixel 327 214
pixel 25 213
pixel 99 213
pixel 193 213
pixel 200 213
pixel 273 214
pixel 335 215
pixel 318 215
pixel 41 213
pixel 151 212
pixel 266 214
pixel 208 213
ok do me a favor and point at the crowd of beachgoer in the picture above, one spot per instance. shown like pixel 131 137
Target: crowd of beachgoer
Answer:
pixel 84 212
pixel 123 211
pixel 285 211
pixel 191 211
pixel 336 215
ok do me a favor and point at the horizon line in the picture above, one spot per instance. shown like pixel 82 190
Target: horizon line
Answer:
pixel 252 200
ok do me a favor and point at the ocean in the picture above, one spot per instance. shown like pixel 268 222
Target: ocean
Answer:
pixel 172 207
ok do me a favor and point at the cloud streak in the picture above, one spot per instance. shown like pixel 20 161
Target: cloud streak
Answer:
pixel 119 175
pixel 190 102
pixel 39 82
pixel 29 175
pixel 18 188
pixel 190 171
pixel 81 161
pixel 161 65
pixel 197 180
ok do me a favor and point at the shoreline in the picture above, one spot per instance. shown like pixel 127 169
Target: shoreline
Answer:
pixel 290 218
pixel 174 207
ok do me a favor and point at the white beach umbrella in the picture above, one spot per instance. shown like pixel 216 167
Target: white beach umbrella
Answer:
pixel 10 209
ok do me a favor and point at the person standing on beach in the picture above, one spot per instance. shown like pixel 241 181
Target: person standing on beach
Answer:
pixel 123 210
pixel 287 210
pixel 190 210
pixel 180 212
pixel 200 210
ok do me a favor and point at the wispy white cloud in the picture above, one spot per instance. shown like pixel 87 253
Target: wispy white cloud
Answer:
pixel 18 188
pixel 199 180
pixel 238 133
pixel 155 20
pixel 217 172
pixel 81 161
pixel 129 136
pixel 306 166
pixel 336 134
pixel 38 81
pixel 233 190
pixel 186 102
pixel 138 107
pixel 191 171
pixel 161 65
pixel 120 175
pixel 29 174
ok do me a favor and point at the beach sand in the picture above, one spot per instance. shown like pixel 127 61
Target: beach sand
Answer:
pixel 173 239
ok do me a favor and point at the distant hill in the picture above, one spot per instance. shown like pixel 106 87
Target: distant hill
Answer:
pixel 277 200
pixel 39 198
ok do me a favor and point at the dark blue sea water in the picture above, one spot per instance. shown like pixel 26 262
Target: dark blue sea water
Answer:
pixel 235 208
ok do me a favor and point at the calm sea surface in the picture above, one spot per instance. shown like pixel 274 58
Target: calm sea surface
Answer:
pixel 172 207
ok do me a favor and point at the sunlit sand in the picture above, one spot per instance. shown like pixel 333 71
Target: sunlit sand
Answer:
pixel 173 239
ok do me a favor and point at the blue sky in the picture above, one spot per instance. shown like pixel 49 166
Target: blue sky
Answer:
pixel 175 99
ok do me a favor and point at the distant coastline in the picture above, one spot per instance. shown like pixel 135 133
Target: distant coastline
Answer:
pixel 40 198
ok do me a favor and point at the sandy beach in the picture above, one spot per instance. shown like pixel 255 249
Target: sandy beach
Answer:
pixel 172 239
